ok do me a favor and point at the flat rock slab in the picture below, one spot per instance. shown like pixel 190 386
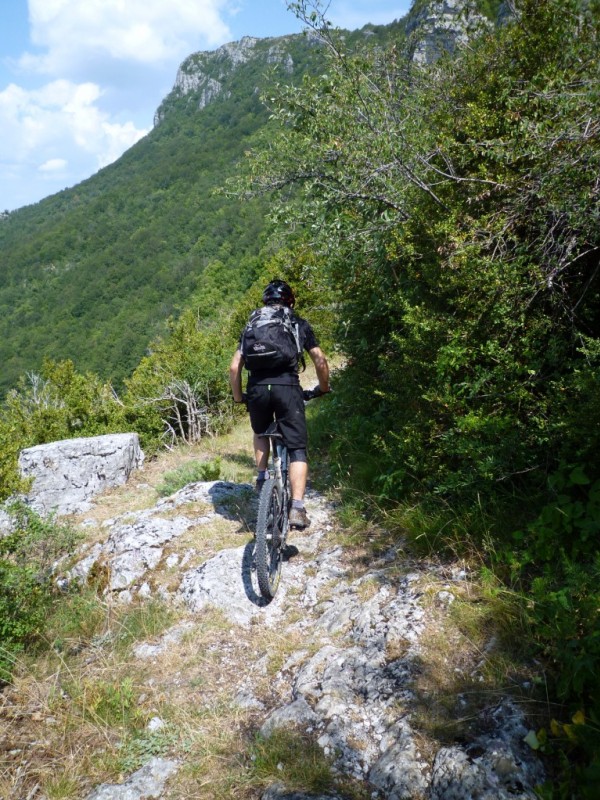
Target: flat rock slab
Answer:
pixel 67 474
pixel 148 782
pixel 279 792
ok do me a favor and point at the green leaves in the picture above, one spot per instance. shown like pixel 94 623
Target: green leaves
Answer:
pixel 27 558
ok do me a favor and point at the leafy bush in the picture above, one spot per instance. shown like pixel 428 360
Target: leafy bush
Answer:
pixel 462 248
pixel 454 208
pixel 27 590
pixel 180 392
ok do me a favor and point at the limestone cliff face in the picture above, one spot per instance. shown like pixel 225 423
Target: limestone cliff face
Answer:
pixel 441 26
pixel 204 76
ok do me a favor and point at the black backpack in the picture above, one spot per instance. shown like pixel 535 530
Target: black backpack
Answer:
pixel 271 340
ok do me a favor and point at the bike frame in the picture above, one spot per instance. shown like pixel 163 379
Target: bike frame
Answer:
pixel 272 522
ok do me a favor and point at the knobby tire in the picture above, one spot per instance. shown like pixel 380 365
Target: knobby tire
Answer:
pixel 268 544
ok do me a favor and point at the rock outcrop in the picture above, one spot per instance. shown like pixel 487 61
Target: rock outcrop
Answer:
pixel 351 682
pixel 148 782
pixel 67 474
pixel 433 27
pixel 205 76
pixel 441 26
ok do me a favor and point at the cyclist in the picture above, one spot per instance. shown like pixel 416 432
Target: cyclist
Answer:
pixel 277 393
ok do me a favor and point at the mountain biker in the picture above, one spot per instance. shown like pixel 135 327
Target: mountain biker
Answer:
pixel 277 393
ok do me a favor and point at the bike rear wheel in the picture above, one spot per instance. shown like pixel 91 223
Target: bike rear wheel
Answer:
pixel 269 539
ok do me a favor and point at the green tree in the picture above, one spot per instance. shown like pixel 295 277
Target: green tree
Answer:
pixel 456 206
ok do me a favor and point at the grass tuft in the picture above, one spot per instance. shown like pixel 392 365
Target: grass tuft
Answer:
pixel 192 472
pixel 294 758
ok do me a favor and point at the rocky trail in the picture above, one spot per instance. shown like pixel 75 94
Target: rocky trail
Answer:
pixel 340 662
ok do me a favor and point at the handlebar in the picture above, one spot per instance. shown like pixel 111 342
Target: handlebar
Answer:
pixel 310 394
pixel 307 394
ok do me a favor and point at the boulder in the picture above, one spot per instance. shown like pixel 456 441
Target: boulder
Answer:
pixel 67 474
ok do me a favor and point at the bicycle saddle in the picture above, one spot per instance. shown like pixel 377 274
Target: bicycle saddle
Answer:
pixel 273 431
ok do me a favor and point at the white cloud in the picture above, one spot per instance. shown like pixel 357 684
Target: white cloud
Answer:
pixel 54 165
pixel 74 33
pixel 94 75
pixel 44 125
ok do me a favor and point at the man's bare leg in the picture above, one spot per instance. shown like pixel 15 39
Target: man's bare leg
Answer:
pixel 261 452
pixel 298 476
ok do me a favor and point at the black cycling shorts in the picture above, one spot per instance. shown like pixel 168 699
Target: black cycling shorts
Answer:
pixel 285 404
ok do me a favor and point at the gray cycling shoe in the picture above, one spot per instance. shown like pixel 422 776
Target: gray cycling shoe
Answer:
pixel 298 518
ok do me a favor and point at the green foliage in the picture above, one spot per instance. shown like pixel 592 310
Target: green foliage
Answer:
pixel 556 562
pixel 113 703
pixel 464 268
pixel 57 404
pixel 181 390
pixel 27 592
pixel 189 473
pixel 455 212
pixel 142 745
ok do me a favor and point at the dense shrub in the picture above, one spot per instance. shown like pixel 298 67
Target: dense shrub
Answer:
pixel 57 404
pixel 27 581
pixel 456 210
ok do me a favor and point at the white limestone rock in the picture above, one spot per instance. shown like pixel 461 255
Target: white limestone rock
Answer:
pixel 69 473
pixel 148 782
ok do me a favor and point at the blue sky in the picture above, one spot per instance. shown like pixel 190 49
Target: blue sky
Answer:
pixel 80 80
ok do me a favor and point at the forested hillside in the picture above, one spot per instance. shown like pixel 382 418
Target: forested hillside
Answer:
pixel 93 273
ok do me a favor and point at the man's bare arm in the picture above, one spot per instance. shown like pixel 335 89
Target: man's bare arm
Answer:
pixel 235 376
pixel 322 368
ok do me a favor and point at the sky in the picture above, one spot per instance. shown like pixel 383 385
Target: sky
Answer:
pixel 80 80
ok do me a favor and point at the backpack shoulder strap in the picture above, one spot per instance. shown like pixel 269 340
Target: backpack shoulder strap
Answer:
pixel 296 333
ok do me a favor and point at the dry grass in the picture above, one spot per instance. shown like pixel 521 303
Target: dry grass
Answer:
pixel 73 721
pixel 464 667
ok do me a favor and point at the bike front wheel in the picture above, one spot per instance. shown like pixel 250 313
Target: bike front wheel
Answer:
pixel 269 539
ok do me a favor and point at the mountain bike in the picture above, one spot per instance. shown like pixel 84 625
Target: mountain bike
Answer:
pixel 272 522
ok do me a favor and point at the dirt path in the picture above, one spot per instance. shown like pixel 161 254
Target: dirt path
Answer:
pixel 329 690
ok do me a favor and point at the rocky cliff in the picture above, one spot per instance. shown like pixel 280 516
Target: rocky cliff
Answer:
pixel 432 28
pixel 204 76
pixel 442 26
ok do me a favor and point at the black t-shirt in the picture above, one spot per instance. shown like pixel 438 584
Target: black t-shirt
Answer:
pixel 308 340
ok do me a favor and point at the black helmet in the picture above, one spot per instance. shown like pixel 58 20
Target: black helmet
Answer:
pixel 279 292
